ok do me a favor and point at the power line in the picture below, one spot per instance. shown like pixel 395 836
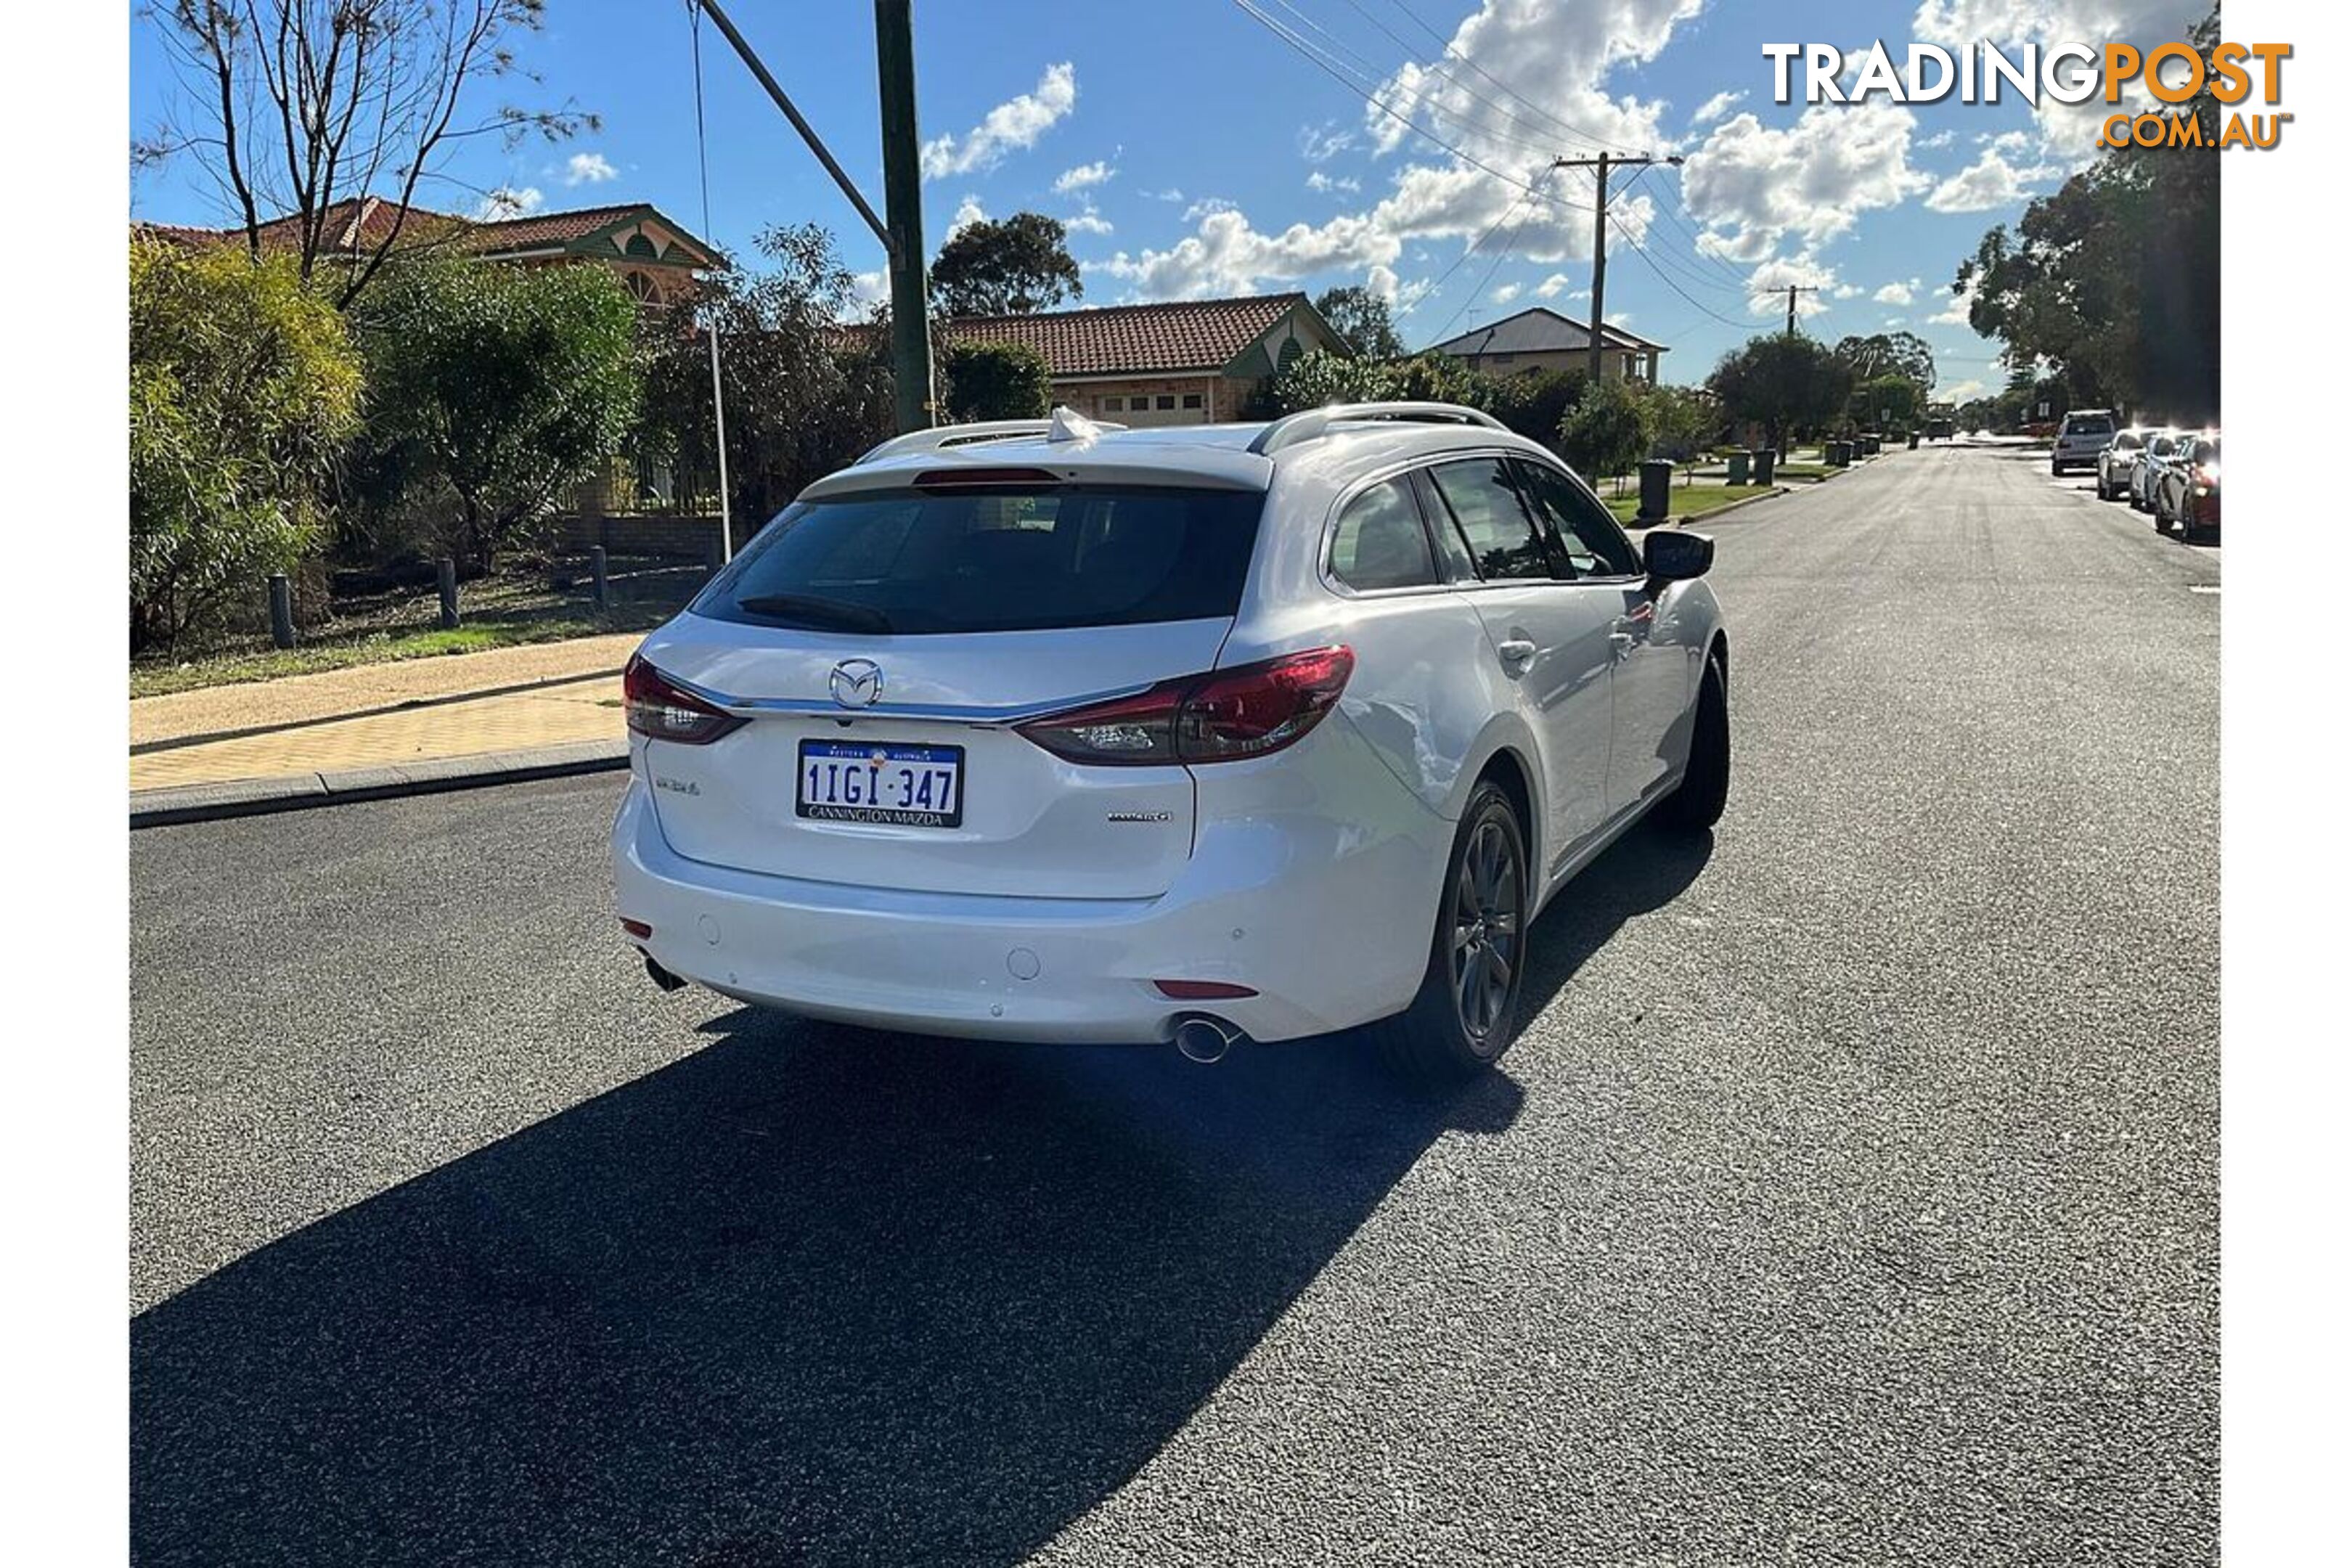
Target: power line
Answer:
pixel 1502 255
pixel 1446 46
pixel 1316 60
pixel 1448 54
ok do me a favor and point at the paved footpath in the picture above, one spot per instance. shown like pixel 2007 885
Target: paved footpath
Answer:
pixel 382 715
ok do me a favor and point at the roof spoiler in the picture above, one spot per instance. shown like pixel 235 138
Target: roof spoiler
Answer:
pixel 938 438
pixel 1308 424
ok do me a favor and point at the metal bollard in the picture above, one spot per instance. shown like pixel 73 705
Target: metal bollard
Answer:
pixel 281 609
pixel 448 573
pixel 604 582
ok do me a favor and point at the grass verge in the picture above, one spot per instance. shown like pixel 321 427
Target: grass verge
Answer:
pixel 1686 501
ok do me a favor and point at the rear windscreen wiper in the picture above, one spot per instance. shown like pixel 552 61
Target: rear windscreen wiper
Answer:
pixel 827 615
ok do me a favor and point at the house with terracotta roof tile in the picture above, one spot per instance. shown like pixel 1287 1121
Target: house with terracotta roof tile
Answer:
pixel 655 258
pixel 1181 362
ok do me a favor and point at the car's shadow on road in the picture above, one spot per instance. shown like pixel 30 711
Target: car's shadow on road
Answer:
pixel 809 1295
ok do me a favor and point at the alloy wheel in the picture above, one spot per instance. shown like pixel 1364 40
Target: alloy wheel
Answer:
pixel 1488 913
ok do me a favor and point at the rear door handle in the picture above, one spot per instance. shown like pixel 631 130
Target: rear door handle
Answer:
pixel 1516 653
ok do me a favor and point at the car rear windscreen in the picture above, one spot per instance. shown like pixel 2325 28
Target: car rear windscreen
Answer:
pixel 2089 425
pixel 1012 559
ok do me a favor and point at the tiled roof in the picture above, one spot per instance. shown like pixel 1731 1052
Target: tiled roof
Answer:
pixel 1116 340
pixel 1538 331
pixel 363 221
pixel 546 228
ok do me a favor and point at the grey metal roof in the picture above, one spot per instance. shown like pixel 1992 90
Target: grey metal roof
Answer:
pixel 1540 329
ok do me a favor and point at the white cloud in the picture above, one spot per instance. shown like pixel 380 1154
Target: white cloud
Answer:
pixel 1956 313
pixel 588 169
pixel 1992 180
pixel 2069 132
pixel 1715 107
pixel 1753 187
pixel 867 290
pixel 508 202
pixel 1083 176
pixel 1943 138
pixel 1768 285
pixel 1959 391
pixel 1559 285
pixel 1402 297
pixel 1319 181
pixel 1011 127
pixel 1505 294
pixel 1087 222
pixel 1171 195
pixel 1319 144
pixel 1205 207
pixel 1897 292
pixel 968 213
pixel 1554 54
pixel 1226 255
pixel 1845 291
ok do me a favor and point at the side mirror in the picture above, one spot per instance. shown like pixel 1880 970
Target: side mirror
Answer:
pixel 1674 555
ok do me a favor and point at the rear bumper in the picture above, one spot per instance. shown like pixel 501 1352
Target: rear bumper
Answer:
pixel 1329 920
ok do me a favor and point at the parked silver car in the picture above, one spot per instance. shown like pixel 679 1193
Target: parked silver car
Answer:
pixel 2151 462
pixel 2113 472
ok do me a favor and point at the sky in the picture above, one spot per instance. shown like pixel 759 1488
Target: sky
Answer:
pixel 1199 148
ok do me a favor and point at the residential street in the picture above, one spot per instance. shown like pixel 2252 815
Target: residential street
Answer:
pixel 1853 1199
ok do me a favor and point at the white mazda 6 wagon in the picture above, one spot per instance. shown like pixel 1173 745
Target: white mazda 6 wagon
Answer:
pixel 1055 731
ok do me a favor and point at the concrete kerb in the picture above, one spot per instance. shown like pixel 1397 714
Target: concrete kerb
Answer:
pixel 299 791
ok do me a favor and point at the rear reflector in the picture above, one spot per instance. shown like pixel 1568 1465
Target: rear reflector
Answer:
pixel 1201 990
pixel 638 929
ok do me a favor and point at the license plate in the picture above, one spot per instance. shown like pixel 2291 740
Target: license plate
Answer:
pixel 901 786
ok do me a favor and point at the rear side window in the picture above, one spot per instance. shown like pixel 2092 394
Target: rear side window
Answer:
pixel 2127 442
pixel 1380 542
pixel 1595 546
pixel 1502 539
pixel 916 562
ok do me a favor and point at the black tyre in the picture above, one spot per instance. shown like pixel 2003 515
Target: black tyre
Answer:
pixel 1467 1011
pixel 1697 802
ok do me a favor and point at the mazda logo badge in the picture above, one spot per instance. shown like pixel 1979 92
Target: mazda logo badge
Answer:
pixel 856 683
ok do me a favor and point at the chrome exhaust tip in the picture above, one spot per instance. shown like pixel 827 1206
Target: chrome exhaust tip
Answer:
pixel 1204 1039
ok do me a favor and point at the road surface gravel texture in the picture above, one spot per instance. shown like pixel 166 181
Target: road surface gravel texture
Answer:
pixel 1850 1196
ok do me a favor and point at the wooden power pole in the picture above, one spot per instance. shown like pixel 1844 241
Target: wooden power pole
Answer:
pixel 1601 165
pixel 902 192
pixel 1793 291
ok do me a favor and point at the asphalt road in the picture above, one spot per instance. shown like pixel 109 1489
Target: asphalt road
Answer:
pixel 1851 1199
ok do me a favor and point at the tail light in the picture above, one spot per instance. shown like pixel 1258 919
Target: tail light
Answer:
pixel 1222 716
pixel 660 710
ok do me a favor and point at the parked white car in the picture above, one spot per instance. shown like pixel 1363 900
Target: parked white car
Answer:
pixel 1179 734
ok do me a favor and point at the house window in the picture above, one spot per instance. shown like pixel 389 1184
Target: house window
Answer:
pixel 642 287
pixel 640 245
pixel 1500 358
pixel 1167 400
pixel 1191 400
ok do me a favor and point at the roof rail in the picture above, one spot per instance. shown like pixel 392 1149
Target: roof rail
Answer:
pixel 940 438
pixel 1308 424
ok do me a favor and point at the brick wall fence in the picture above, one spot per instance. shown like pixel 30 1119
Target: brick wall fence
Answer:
pixel 665 538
